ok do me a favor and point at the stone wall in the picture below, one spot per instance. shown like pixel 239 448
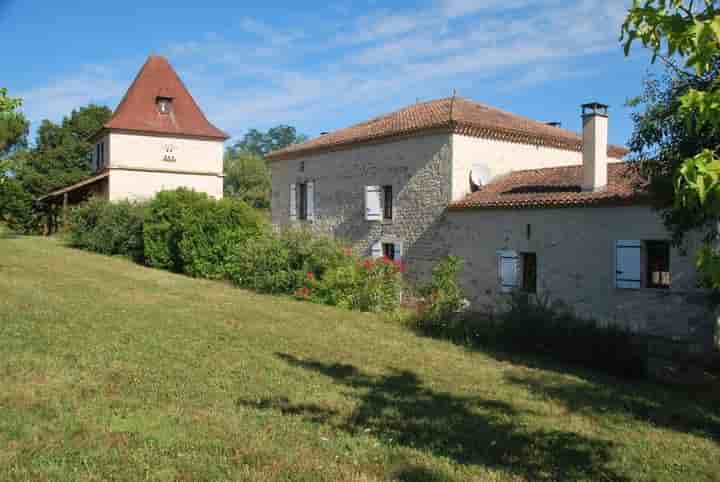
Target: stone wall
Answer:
pixel 575 250
pixel 418 168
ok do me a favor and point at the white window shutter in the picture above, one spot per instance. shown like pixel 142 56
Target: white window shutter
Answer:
pixel 310 201
pixel 293 202
pixel 628 264
pixel 398 251
pixel 373 210
pixel 376 250
pixel 508 270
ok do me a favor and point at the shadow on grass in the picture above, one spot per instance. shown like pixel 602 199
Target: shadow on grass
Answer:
pixel 683 410
pixel 398 408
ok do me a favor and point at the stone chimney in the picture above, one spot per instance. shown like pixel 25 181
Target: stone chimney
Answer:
pixel 594 146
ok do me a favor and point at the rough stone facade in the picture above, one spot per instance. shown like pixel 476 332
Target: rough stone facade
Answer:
pixel 418 168
pixel 575 249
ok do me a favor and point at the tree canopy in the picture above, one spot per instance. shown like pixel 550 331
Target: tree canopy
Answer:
pixel 13 129
pixel 263 143
pixel 689 32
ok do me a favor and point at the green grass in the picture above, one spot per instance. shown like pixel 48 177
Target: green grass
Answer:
pixel 111 371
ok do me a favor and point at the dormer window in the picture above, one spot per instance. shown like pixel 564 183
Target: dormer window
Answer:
pixel 163 104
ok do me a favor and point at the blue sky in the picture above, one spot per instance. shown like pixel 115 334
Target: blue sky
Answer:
pixel 319 65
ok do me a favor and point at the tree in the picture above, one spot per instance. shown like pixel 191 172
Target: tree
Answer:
pixel 13 130
pixel 60 157
pixel 689 32
pixel 246 173
pixel 247 177
pixel 263 143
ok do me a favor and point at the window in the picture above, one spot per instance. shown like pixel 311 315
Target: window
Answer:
pixel 642 264
pixel 388 250
pixel 373 211
pixel 302 201
pixel 529 272
pixel 100 154
pixel 387 202
pixel 657 264
pixel 163 104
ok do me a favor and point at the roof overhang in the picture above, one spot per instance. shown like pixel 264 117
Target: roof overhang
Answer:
pixel 78 185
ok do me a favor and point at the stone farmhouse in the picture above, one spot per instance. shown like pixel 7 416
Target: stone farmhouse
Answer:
pixel 158 138
pixel 527 205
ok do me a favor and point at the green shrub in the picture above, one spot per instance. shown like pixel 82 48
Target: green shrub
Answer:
pixel 263 264
pixel 443 295
pixel 108 228
pixel 189 232
pixel 365 285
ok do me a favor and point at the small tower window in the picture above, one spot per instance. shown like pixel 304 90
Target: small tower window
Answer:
pixel 163 104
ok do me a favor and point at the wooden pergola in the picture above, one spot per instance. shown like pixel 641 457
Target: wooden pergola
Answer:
pixel 56 203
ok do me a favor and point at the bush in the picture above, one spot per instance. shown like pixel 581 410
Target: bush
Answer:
pixel 365 285
pixel 443 295
pixel 263 264
pixel 108 228
pixel 528 324
pixel 189 232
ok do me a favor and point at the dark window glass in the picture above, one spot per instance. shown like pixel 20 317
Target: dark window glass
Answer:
pixel 302 201
pixel 389 250
pixel 657 264
pixel 529 280
pixel 387 202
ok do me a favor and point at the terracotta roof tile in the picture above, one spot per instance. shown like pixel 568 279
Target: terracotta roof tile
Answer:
pixel 457 115
pixel 137 111
pixel 554 187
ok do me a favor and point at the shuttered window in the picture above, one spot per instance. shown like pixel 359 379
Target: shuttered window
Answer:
pixel 302 201
pixel 373 210
pixel 628 264
pixel 387 202
pixel 508 270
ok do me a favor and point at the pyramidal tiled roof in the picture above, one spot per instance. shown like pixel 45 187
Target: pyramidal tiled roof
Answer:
pixel 454 114
pixel 556 187
pixel 137 111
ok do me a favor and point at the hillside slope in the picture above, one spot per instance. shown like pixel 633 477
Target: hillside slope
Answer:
pixel 111 371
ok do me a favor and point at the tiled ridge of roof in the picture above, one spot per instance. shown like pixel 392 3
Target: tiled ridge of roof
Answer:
pixel 137 110
pixel 555 187
pixel 451 114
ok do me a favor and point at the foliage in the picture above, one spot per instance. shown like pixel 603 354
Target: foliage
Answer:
pixel 247 177
pixel 443 295
pixel 263 143
pixel 13 127
pixel 691 33
pixel 60 157
pixel 189 232
pixel 373 285
pixel 525 323
pixel 109 228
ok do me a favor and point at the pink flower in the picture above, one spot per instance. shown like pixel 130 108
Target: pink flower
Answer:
pixel 309 276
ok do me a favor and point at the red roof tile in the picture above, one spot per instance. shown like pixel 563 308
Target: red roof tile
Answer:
pixel 137 111
pixel 554 187
pixel 453 114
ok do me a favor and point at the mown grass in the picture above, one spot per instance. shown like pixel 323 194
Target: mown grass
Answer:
pixel 112 371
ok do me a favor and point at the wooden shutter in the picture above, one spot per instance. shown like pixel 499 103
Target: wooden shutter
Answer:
pixel 376 250
pixel 508 272
pixel 628 264
pixel 310 201
pixel 373 211
pixel 398 251
pixel 293 202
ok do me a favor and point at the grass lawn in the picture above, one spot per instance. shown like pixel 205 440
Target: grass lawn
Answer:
pixel 111 371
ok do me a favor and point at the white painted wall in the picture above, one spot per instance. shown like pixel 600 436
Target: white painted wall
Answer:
pixel 501 157
pixel 137 185
pixel 150 152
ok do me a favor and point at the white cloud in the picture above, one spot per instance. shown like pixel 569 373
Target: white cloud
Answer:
pixel 273 75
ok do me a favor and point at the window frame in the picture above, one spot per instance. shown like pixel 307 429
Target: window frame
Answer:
pixel 387 202
pixel 385 245
pixel 647 268
pixel 524 264
pixel 302 205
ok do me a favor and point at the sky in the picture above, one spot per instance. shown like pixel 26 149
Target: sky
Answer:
pixel 321 65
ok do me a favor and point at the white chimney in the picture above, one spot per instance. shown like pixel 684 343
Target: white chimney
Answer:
pixel 594 147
